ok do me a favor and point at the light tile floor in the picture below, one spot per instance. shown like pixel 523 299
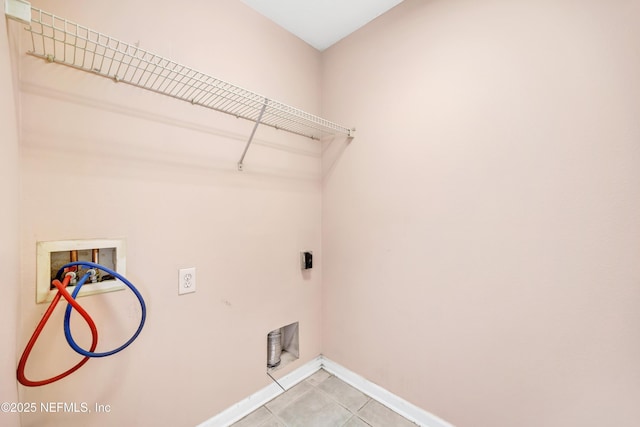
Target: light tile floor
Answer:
pixel 323 400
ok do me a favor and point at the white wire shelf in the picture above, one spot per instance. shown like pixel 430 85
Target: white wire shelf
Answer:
pixel 64 42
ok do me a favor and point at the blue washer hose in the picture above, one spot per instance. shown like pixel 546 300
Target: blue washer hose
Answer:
pixel 67 314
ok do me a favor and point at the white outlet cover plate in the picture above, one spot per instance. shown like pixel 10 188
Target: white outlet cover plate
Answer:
pixel 187 281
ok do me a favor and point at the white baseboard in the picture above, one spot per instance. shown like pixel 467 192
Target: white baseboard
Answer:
pixel 388 399
pixel 256 400
pixel 385 397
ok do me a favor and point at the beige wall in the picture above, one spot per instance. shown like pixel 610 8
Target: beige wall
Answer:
pixel 480 234
pixel 100 159
pixel 9 245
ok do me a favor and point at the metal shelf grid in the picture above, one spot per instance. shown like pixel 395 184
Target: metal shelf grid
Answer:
pixel 61 41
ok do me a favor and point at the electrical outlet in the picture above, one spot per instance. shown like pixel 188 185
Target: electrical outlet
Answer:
pixel 187 282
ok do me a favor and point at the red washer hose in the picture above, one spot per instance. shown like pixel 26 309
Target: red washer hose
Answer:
pixel 62 292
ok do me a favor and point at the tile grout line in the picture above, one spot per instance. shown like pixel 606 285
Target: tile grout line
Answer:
pixel 340 403
pixel 288 404
pixel 334 399
pixel 401 407
pixel 277 418
pixel 313 386
pixel 372 391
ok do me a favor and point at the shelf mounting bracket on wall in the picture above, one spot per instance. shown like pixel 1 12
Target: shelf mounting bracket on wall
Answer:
pixel 19 10
pixel 60 41
pixel 253 132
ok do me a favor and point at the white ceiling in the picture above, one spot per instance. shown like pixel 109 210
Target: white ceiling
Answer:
pixel 321 23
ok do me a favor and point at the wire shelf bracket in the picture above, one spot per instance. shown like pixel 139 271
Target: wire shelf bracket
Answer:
pixel 253 132
pixel 61 41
